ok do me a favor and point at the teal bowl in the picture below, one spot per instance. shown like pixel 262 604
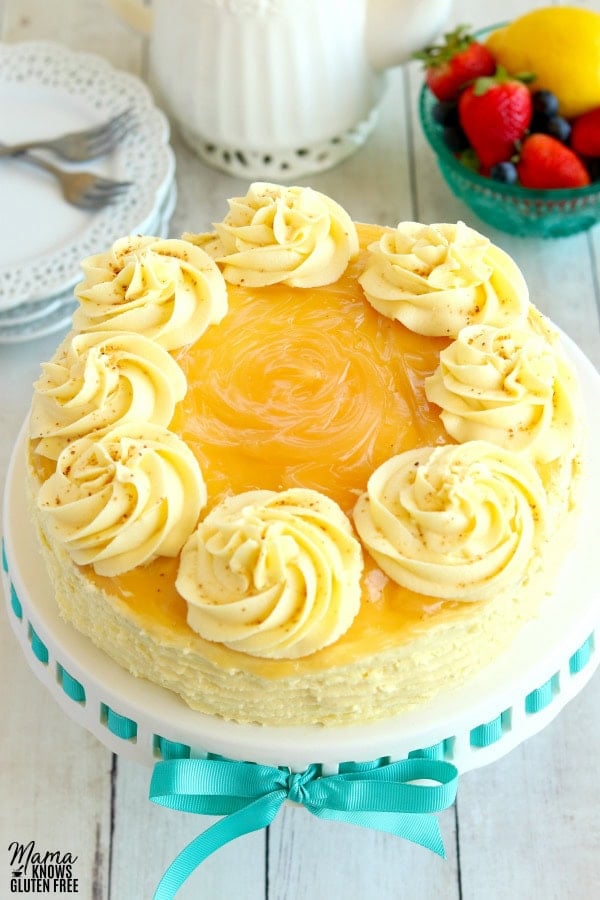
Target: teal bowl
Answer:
pixel 509 207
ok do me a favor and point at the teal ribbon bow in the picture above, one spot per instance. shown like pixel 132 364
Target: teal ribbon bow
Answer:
pixel 380 795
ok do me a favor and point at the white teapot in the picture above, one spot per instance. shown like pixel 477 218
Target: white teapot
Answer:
pixel 278 88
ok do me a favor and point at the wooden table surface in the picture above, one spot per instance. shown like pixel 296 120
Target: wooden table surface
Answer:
pixel 525 827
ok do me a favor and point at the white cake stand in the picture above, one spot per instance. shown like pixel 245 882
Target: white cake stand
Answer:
pixel 517 696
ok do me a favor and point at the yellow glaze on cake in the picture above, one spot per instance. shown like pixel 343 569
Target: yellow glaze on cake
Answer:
pixel 298 390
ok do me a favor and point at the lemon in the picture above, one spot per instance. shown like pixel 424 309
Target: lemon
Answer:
pixel 560 45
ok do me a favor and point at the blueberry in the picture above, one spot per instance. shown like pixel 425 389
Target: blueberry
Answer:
pixel 559 128
pixel 445 112
pixel 545 103
pixel 455 138
pixel 538 123
pixel 506 172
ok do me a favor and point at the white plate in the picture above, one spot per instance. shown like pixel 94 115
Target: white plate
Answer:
pixel 39 318
pixel 29 312
pixel 58 318
pixel 541 653
pixel 45 90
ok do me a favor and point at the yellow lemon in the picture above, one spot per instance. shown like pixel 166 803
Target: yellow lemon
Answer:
pixel 560 45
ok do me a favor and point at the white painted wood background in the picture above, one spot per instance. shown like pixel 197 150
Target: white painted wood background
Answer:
pixel 527 827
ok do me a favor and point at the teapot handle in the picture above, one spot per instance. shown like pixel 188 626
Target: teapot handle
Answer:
pixel 132 12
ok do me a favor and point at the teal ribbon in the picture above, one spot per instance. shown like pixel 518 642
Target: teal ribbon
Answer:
pixel 382 796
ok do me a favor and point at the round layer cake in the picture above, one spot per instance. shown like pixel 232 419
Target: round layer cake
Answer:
pixel 300 470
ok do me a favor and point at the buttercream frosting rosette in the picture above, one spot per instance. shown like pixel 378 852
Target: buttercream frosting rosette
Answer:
pixel 98 380
pixel 459 522
pixel 508 386
pixel 166 289
pixel 436 279
pixel 273 574
pixel 289 235
pixel 120 500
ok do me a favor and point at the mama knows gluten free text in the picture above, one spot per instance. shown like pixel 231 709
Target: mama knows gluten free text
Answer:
pixel 46 872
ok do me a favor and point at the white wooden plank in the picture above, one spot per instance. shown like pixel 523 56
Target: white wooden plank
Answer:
pixel 593 238
pixel 529 823
pixel 147 838
pixel 202 192
pixel 47 763
pixel 79 24
pixel 309 858
pixel 54 777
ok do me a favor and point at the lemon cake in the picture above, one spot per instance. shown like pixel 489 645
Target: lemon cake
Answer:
pixel 300 470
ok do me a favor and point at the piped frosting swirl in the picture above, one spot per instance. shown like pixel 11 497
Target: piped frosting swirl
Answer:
pixel 508 386
pixel 168 290
pixel 117 501
pixel 436 279
pixel 98 380
pixel 275 234
pixel 273 574
pixel 459 522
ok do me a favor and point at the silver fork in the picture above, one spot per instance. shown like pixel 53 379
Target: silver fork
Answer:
pixel 84 189
pixel 78 146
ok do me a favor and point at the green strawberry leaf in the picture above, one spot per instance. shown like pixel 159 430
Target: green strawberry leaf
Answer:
pixel 482 85
pixel 454 42
pixel 469 159
pixel 525 77
pixel 501 76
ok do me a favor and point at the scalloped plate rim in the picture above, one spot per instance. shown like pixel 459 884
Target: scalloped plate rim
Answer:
pixel 152 171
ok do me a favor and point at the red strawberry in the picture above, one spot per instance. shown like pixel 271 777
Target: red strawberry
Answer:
pixel 460 59
pixel 547 163
pixel 494 112
pixel 585 133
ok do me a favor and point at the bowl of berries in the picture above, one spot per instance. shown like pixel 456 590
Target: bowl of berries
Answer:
pixel 521 148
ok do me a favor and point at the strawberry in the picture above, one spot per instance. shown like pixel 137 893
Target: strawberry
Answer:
pixel 546 163
pixel 585 133
pixel 494 112
pixel 449 66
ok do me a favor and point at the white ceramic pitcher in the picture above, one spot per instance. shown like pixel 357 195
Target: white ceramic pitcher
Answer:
pixel 278 88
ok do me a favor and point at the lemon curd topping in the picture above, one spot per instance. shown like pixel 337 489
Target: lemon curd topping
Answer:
pixel 311 389
pixel 301 388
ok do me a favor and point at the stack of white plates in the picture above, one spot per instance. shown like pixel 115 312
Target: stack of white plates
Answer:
pixel 47 90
